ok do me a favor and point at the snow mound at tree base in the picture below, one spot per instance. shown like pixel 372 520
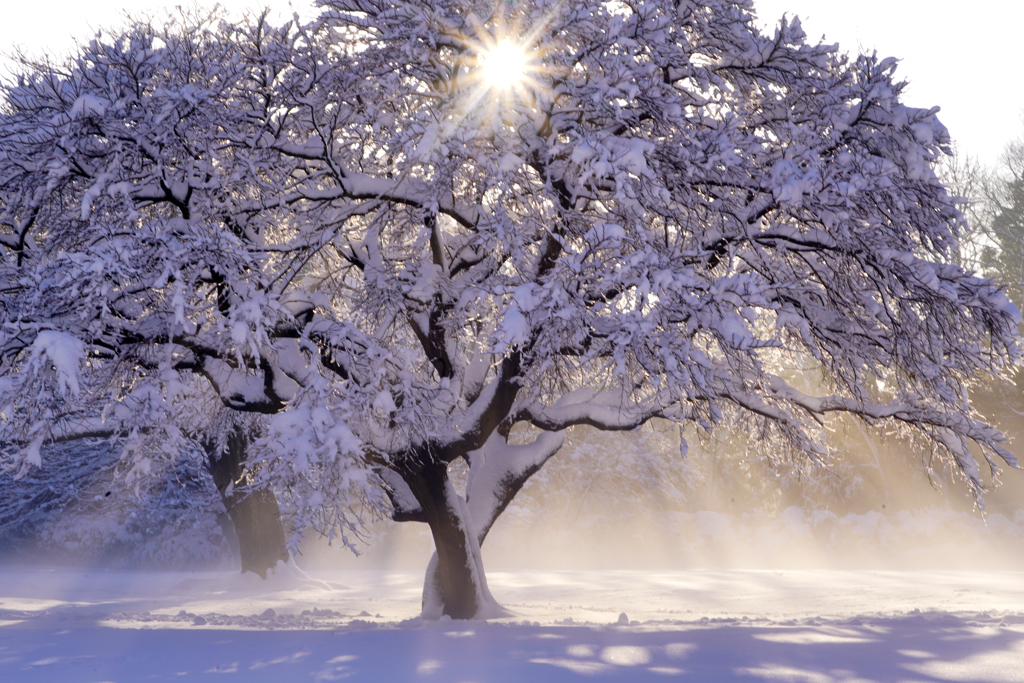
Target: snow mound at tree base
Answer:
pixel 285 576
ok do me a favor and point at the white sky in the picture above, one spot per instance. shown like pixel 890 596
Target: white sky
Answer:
pixel 965 57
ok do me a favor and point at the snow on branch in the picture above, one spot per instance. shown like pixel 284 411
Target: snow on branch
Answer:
pixel 608 410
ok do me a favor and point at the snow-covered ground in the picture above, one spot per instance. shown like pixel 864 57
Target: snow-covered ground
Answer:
pixel 820 626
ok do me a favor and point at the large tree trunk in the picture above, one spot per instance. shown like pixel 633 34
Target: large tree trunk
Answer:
pixel 255 515
pixel 455 584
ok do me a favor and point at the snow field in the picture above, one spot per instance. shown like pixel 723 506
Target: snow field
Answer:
pixel 814 626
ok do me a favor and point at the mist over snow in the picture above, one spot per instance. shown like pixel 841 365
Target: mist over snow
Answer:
pixel 606 501
pixel 632 501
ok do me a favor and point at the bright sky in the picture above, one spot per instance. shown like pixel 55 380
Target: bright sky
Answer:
pixel 964 57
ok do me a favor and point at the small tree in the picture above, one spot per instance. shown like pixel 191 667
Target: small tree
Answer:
pixel 403 253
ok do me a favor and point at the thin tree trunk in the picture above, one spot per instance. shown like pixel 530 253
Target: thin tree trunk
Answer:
pixel 257 520
pixel 255 515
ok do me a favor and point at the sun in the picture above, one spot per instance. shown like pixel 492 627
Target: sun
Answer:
pixel 505 65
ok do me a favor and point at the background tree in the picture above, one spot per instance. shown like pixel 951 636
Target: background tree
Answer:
pixel 410 257
pixel 1002 223
pixel 76 508
pixel 994 207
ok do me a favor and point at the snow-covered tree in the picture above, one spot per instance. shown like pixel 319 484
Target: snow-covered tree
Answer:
pixel 99 72
pixel 412 230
